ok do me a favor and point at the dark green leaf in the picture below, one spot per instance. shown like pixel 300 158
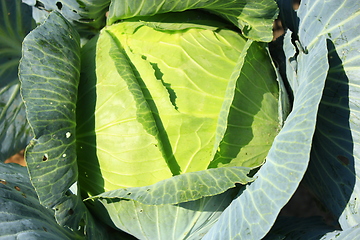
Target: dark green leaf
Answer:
pixel 21 214
pixel 88 17
pixel 49 72
pixel 15 22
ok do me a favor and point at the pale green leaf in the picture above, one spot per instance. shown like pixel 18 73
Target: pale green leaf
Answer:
pixel 334 167
pixel 251 215
pixel 112 107
pixel 184 187
pixel 254 18
pixel 150 95
pixel 49 72
pixel 190 220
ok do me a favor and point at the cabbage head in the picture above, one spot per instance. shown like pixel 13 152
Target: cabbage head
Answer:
pixel 172 94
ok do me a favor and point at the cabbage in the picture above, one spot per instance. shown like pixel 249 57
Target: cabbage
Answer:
pixel 172 94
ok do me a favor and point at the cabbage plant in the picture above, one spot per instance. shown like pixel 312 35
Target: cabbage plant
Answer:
pixel 177 120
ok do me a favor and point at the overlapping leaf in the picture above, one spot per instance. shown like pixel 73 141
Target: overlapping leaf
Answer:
pixel 252 112
pixel 189 220
pixel 347 234
pixel 88 17
pixel 254 18
pixel 49 71
pixel 333 171
pixel 15 22
pixel 21 214
pixel 253 213
pixel 184 187
pixel 106 93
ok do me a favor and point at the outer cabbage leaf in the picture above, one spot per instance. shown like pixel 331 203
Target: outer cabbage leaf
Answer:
pixel 49 73
pixel 334 167
pixel 21 214
pixel 254 18
pixel 15 22
pixel 253 212
pixel 88 17
pixel 189 220
pixel 184 187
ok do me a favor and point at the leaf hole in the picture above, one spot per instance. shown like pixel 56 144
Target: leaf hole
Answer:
pixel 45 157
pixel 71 211
pixel 128 194
pixel 141 210
pixel 17 188
pixel 3 181
pixel 39 5
pixel 59 5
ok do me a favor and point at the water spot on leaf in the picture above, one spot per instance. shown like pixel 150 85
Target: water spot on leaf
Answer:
pixel 45 157
pixel 344 160
pixel 17 188
pixel 3 181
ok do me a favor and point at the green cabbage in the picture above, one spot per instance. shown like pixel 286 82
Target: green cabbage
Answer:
pixel 171 94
